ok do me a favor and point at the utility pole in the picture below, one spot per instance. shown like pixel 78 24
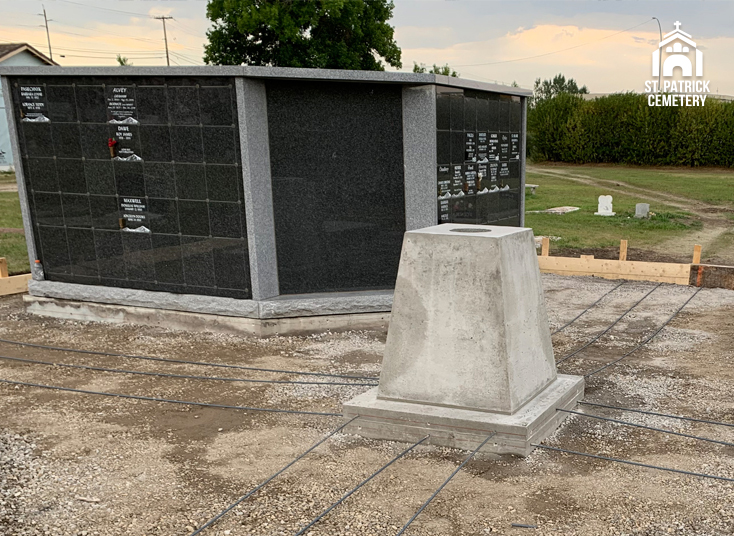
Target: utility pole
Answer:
pixel 48 36
pixel 660 67
pixel 165 36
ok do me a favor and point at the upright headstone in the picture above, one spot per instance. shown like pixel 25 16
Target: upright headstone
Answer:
pixel 605 206
pixel 642 210
pixel 468 351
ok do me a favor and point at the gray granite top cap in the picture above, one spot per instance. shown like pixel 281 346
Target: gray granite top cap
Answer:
pixel 337 75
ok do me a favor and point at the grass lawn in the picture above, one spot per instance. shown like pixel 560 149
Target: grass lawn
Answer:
pixel 711 185
pixel 581 229
pixel 12 245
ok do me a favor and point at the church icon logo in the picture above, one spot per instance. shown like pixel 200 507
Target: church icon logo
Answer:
pixel 678 49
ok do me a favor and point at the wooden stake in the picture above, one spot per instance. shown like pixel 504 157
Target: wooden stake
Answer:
pixel 545 248
pixel 696 254
pixel 3 267
pixel 623 250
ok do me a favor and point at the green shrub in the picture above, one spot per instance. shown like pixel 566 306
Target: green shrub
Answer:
pixel 622 129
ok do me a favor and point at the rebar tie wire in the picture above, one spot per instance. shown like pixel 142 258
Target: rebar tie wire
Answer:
pixel 648 339
pixel 425 504
pixel 663 430
pixel 169 401
pixel 358 486
pixel 184 376
pixel 199 363
pixel 564 326
pixel 597 337
pixel 257 488
pixel 638 464
pixel 692 419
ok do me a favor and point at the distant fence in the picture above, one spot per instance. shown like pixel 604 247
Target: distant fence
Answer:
pixel 622 129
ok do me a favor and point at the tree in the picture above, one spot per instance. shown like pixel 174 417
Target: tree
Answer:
pixel 122 61
pixel 547 89
pixel 443 69
pixel 327 34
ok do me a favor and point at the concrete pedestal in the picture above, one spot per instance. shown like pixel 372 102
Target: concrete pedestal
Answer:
pixel 468 349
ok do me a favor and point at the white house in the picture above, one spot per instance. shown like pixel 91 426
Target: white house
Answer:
pixel 15 54
pixel 678 48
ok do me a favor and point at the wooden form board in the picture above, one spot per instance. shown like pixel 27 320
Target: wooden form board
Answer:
pixel 15 284
pixel 661 272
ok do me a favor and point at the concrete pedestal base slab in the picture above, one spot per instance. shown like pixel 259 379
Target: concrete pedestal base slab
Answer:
pixel 465 428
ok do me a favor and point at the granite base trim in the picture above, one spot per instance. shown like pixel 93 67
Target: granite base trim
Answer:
pixel 344 303
pixel 180 320
pixel 465 428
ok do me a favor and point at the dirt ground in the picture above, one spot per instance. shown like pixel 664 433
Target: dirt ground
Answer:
pixel 74 464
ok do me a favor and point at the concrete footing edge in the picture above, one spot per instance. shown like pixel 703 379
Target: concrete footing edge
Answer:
pixel 465 428
pixel 181 320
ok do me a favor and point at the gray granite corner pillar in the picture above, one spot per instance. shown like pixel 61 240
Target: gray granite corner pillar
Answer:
pixel 523 152
pixel 419 156
pixel 19 176
pixel 252 112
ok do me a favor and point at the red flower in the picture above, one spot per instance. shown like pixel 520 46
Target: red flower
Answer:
pixel 111 142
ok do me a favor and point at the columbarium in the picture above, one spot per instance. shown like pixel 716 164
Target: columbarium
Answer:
pixel 468 351
pixel 252 199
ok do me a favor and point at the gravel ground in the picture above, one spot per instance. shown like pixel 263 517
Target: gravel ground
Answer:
pixel 73 464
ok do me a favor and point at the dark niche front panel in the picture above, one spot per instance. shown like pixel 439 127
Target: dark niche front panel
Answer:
pixel 135 182
pixel 336 152
pixel 478 142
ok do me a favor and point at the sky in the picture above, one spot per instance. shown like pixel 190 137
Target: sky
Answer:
pixel 605 45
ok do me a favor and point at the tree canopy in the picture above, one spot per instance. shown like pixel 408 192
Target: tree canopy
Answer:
pixel 436 69
pixel 328 34
pixel 547 89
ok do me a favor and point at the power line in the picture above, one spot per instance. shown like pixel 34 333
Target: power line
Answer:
pixel 555 51
pixel 182 361
pixel 564 326
pixel 692 419
pixel 142 39
pixel 111 56
pixel 167 400
pixel 104 8
pixel 425 504
pixel 257 488
pixel 638 464
pixel 358 486
pixel 180 376
pixel 185 58
pixel 597 337
pixel 186 29
pixel 654 429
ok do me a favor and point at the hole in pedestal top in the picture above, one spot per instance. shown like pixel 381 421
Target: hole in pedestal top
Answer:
pixel 470 230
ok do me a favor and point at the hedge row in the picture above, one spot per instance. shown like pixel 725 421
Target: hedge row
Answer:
pixel 622 128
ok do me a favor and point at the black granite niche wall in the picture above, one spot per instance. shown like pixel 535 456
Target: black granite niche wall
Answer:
pixel 336 152
pixel 478 153
pixel 135 182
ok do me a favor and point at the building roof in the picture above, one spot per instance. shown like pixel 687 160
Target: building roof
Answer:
pixel 11 49
pixel 283 73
